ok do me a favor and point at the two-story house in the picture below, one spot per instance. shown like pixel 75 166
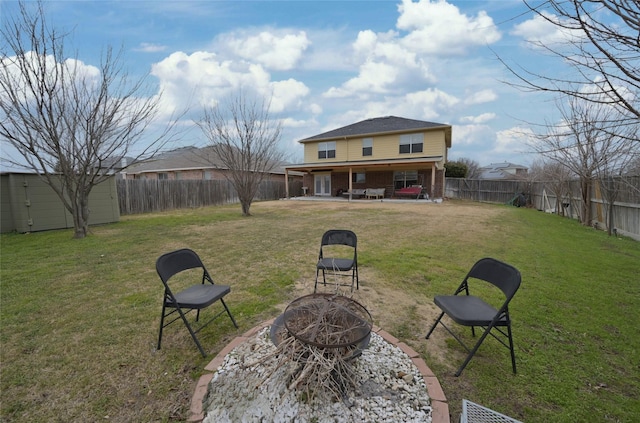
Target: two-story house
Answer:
pixel 387 152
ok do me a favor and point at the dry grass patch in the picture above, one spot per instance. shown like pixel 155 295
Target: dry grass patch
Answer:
pixel 80 317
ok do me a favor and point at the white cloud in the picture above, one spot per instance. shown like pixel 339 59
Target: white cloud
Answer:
pixel 481 143
pixel 545 30
pixel 374 78
pixel 294 123
pixel 150 48
pixel 203 78
pixel 430 102
pixel 385 67
pixel 438 27
pixel 483 118
pixel 513 140
pixel 482 96
pixel 470 135
pixel 287 95
pixel 274 49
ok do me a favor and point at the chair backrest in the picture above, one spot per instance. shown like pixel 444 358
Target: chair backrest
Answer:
pixel 339 237
pixel 502 275
pixel 177 261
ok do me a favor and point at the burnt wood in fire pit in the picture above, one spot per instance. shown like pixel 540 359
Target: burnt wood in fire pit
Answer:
pixel 325 321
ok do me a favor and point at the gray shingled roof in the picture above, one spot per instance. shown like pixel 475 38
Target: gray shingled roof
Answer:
pixel 179 159
pixel 376 126
pixel 186 158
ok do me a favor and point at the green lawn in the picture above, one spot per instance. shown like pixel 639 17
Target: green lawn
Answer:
pixel 79 317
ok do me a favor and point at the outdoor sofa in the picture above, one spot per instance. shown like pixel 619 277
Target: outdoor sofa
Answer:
pixel 375 193
pixel 416 191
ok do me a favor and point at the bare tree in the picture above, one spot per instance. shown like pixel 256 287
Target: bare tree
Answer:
pixel 556 177
pixel 611 174
pixel 245 139
pixel 581 144
pixel 473 167
pixel 70 123
pixel 603 57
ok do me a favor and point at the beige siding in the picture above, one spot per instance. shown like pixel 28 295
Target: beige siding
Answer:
pixel 384 147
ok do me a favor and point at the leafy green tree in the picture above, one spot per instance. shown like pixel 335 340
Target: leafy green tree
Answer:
pixel 455 169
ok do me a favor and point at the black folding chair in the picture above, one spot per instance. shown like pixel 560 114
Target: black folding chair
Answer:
pixel 469 310
pixel 195 297
pixel 342 266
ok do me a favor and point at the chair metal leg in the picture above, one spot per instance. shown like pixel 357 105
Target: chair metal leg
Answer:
pixel 513 353
pixel 315 286
pixel 473 350
pixel 193 334
pixel 229 313
pixel 434 326
pixel 161 326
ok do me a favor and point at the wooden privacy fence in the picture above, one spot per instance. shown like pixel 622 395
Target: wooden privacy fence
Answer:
pixel 625 210
pixel 147 195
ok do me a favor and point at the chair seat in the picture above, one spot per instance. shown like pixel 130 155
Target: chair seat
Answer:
pixel 200 296
pixel 329 263
pixel 468 310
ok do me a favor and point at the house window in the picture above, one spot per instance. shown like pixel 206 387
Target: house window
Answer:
pixel 178 175
pixel 163 176
pixel 327 150
pixel 367 146
pixel 358 178
pixel 207 175
pixel 405 179
pixel 411 143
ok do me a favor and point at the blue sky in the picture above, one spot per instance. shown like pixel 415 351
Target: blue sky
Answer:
pixel 332 63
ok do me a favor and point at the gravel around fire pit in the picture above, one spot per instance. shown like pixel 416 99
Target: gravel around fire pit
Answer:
pixel 389 388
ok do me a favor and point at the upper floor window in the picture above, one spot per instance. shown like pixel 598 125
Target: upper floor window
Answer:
pixel 367 146
pixel 411 143
pixel 327 150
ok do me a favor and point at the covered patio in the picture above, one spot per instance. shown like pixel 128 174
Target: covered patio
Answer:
pixel 332 179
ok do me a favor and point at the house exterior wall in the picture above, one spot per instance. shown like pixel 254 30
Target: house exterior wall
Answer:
pixel 384 147
pixel 379 179
pixel 195 174
pixel 34 206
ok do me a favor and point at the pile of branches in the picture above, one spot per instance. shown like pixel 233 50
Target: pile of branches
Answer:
pixel 319 344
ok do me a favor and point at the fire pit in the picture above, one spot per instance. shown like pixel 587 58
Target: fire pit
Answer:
pixel 334 323
pixel 320 334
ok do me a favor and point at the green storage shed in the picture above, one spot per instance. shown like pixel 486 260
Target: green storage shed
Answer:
pixel 27 204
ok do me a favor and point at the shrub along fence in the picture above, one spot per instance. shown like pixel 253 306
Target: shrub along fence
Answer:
pixel 148 195
pixel 541 195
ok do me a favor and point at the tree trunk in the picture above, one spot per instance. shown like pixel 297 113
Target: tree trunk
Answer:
pixel 81 216
pixel 585 192
pixel 245 207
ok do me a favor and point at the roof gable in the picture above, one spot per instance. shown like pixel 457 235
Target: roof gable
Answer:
pixel 387 124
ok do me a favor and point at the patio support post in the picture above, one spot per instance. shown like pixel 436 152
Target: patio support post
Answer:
pixel 350 182
pixel 286 183
pixel 433 180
